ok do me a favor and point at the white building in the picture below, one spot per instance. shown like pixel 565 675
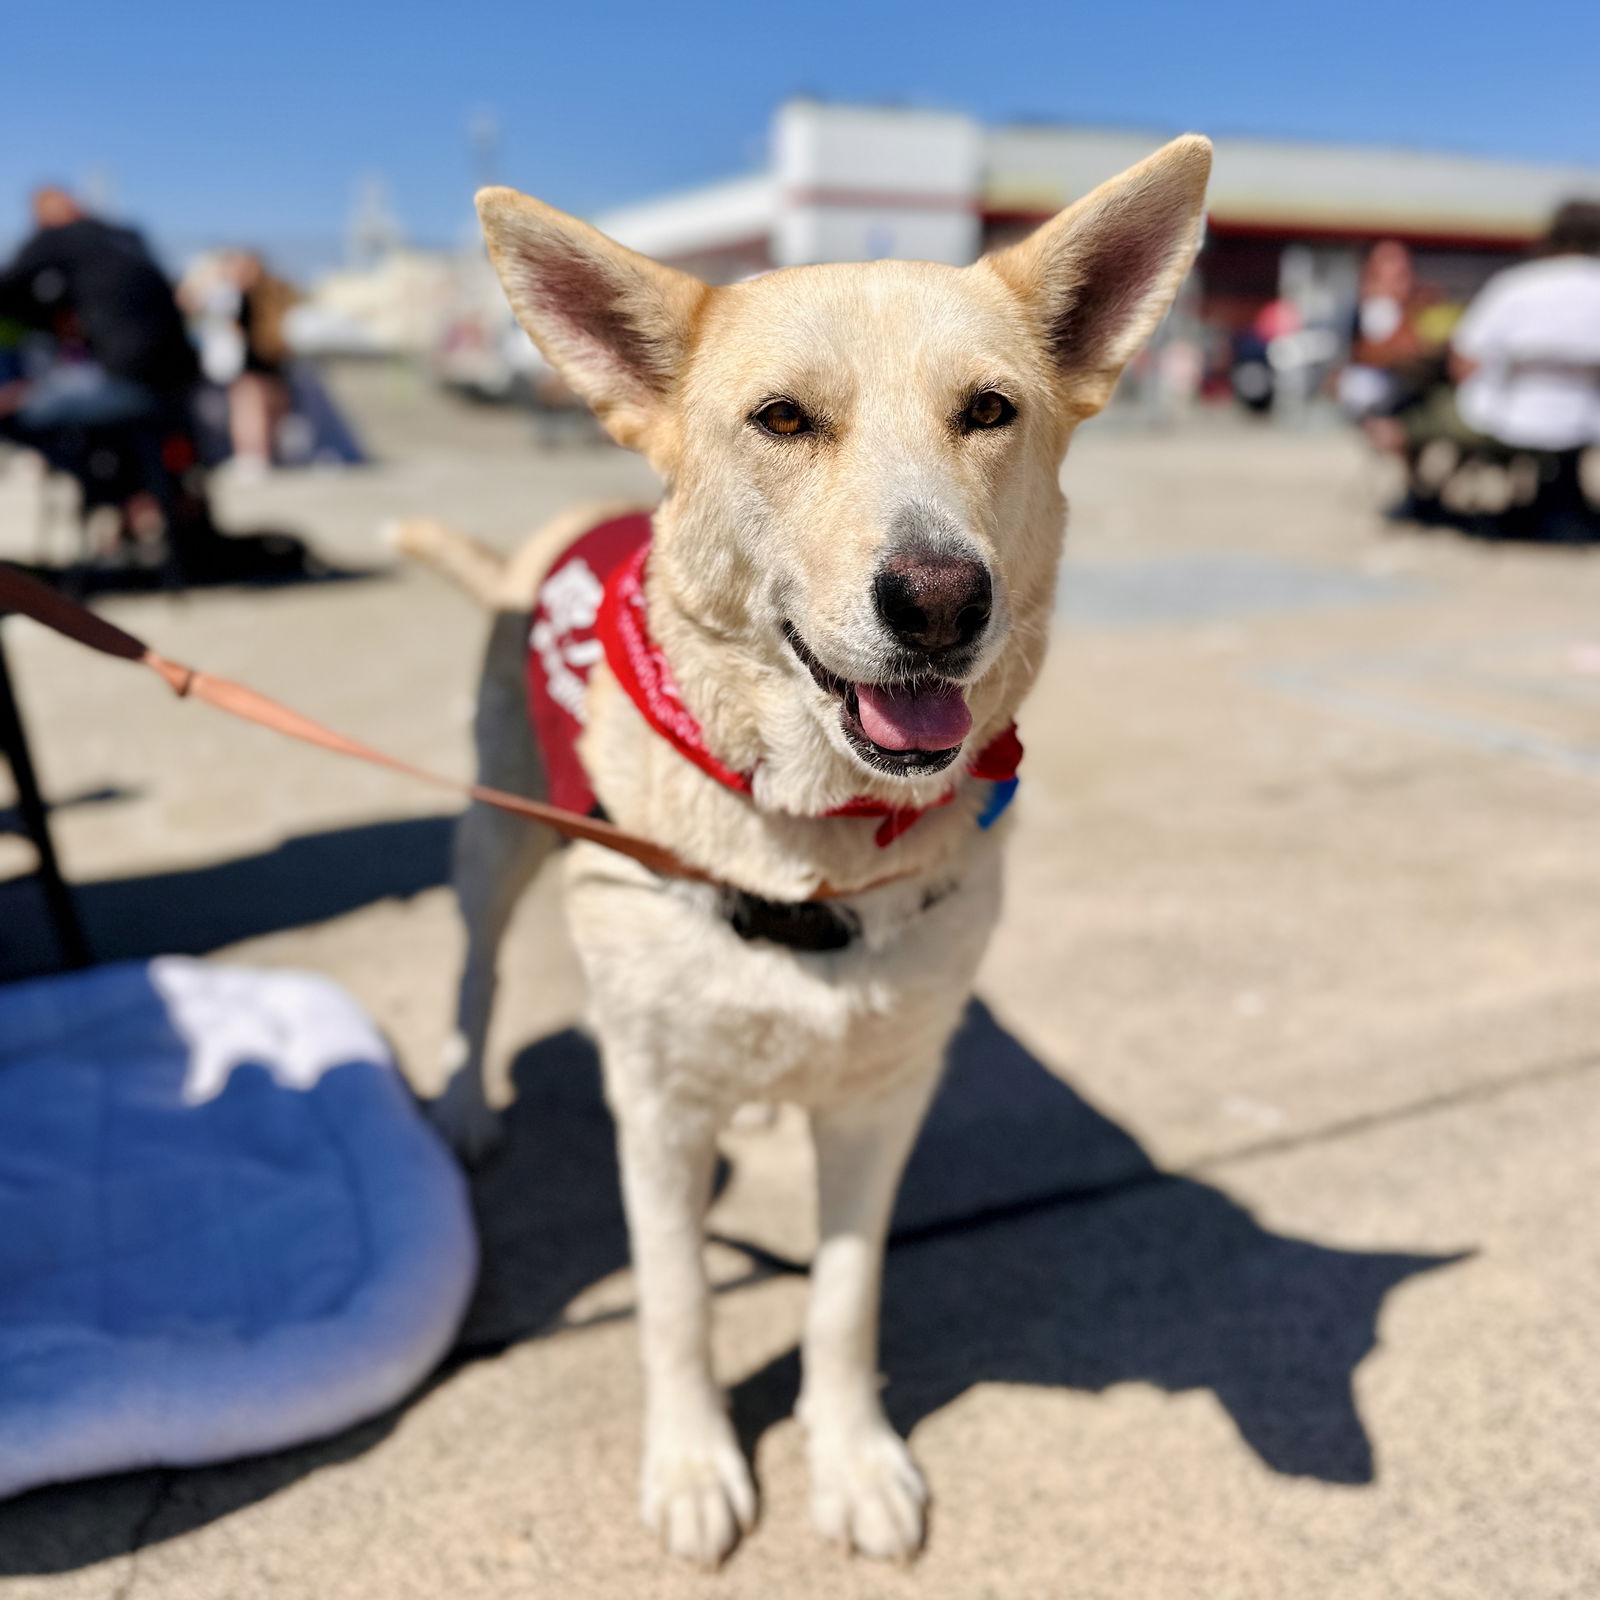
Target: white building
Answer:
pixel 852 183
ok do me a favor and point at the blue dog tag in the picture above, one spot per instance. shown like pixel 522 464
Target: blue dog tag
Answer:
pixel 1000 796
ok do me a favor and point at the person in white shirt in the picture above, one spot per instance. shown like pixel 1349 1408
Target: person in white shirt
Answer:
pixel 1527 357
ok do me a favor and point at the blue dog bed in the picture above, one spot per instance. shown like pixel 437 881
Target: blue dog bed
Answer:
pixel 224 1226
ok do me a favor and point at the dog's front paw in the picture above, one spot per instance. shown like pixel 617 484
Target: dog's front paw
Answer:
pixel 466 1123
pixel 866 1492
pixel 698 1494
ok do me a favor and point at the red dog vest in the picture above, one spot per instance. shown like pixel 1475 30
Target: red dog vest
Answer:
pixel 591 607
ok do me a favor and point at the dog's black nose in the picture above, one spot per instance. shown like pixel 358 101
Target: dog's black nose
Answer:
pixel 932 601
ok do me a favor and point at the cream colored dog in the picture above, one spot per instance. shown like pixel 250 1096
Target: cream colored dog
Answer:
pixel 852 577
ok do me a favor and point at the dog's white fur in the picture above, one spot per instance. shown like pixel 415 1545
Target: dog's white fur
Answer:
pixel 755 532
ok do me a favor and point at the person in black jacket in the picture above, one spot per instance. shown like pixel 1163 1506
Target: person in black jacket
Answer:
pixel 94 284
pixel 109 407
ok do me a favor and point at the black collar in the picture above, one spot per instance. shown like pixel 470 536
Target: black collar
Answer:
pixel 797 924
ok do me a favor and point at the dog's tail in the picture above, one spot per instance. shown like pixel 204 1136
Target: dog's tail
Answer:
pixel 467 562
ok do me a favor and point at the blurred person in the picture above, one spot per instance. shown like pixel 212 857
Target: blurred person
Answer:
pixel 95 285
pixel 1527 358
pixel 1396 386
pixel 122 356
pixel 259 396
pixel 1251 374
pixel 1387 343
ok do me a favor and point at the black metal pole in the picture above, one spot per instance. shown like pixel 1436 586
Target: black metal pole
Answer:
pixel 36 820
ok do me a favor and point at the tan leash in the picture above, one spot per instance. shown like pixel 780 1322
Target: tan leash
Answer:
pixel 29 598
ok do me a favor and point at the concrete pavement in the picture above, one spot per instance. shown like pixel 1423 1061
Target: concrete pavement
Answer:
pixel 1251 1249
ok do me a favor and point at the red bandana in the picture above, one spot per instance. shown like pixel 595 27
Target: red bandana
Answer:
pixel 591 604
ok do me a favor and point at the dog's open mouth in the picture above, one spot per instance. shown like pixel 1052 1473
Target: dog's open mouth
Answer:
pixel 906 729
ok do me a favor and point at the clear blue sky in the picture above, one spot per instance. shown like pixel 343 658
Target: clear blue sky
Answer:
pixel 255 124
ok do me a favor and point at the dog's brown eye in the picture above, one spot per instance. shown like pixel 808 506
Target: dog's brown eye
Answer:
pixel 988 409
pixel 784 418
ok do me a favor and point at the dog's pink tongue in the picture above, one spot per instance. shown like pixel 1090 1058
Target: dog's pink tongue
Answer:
pixel 931 718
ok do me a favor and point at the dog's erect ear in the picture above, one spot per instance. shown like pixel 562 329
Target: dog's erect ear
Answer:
pixel 614 324
pixel 1101 274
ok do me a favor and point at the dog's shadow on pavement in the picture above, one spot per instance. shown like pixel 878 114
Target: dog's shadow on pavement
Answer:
pixel 1034 1242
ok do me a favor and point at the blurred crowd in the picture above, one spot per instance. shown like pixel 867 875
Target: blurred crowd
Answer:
pixel 1489 403
pixel 1473 399
pixel 134 387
